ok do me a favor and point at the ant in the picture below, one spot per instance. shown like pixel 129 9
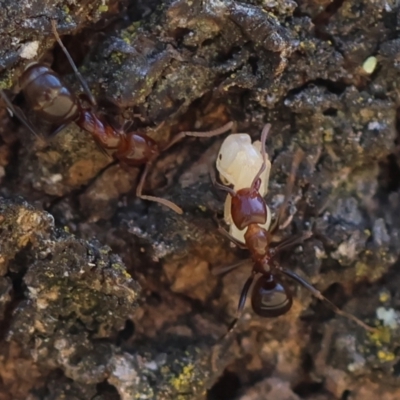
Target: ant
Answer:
pixel 249 212
pixel 55 103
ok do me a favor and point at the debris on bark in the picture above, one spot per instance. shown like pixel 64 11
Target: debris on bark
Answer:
pixel 76 244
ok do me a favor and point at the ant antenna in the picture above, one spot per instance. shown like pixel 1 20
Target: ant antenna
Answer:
pixel 71 61
pixel 14 110
pixel 159 200
pixel 208 134
pixel 321 297
pixel 217 185
pixel 264 135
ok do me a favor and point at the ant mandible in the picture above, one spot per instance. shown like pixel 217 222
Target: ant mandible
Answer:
pixel 249 212
pixel 55 103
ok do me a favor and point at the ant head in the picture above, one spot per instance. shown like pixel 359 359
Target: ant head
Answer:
pixel 270 298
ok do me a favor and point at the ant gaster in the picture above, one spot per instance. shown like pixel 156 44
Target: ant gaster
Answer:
pixel 55 103
pixel 270 296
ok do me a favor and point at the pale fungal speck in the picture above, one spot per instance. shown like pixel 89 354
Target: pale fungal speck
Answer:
pixel 370 64
pixel 388 316
pixel 374 125
pixel 319 253
pixel 29 50
pixel 55 178
pixel 151 365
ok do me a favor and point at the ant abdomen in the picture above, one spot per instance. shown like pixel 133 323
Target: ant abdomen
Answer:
pixel 270 298
pixel 47 95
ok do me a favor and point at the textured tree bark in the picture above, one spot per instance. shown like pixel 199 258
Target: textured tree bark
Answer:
pixel 103 296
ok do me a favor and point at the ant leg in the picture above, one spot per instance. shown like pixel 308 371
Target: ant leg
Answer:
pixel 231 238
pixel 242 302
pixel 227 268
pixel 288 191
pixel 58 129
pixel 159 200
pixel 19 114
pixel 264 135
pixel 290 242
pixel 208 134
pixel 321 297
pixel 71 62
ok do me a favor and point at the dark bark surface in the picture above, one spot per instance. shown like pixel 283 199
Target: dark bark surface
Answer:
pixel 104 296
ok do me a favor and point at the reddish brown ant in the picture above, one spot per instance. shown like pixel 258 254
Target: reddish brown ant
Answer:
pixel 55 103
pixel 270 296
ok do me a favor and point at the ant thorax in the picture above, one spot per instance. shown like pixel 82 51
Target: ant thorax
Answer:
pixel 238 162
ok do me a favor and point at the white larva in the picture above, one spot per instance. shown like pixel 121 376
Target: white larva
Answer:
pixel 238 162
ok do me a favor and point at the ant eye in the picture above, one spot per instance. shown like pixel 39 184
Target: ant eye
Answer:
pixel 220 156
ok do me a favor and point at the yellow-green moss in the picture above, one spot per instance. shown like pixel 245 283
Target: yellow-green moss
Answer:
pixel 384 296
pixel 117 57
pixel 7 81
pixel 103 8
pixel 381 336
pixel 181 382
pixel 130 33
pixel 386 356
pixel 65 9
